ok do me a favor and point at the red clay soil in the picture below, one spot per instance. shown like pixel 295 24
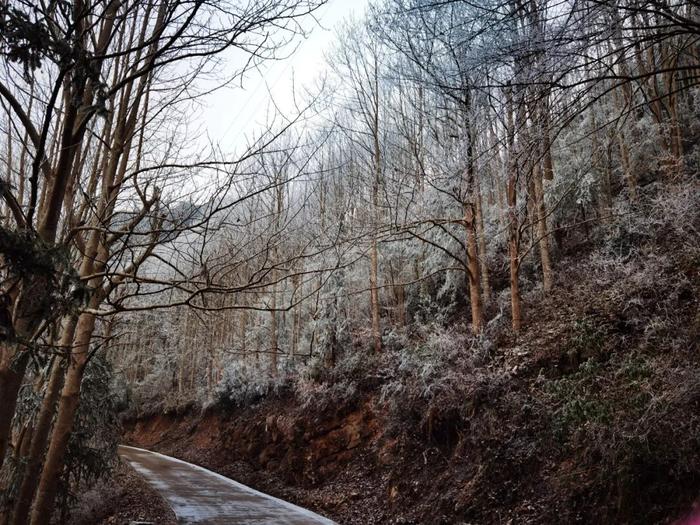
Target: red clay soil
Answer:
pixel 345 467
pixel 324 469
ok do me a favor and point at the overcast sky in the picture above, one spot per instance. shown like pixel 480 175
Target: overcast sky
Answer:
pixel 233 113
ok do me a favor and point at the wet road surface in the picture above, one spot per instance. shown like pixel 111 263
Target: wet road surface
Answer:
pixel 198 495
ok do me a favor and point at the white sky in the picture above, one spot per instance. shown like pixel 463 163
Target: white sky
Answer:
pixel 232 114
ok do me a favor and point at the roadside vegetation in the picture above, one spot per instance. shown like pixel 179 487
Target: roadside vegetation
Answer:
pixel 456 282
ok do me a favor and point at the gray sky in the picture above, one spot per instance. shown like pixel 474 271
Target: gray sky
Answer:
pixel 232 114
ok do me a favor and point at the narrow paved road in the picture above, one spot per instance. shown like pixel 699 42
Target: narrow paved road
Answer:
pixel 198 495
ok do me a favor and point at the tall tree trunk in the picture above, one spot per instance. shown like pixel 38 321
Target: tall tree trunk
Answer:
pixel 481 236
pixel 12 368
pixel 377 175
pixel 296 315
pixel 676 138
pixel 513 223
pixel 623 98
pixel 513 252
pixel 274 336
pixel 374 296
pixel 542 230
pixel 374 255
pixel 473 270
pixel 94 261
pixel 13 364
pixel 548 165
pixel 42 430
pixel 67 409
pixel 601 158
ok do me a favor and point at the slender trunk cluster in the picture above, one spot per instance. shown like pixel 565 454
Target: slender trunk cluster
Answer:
pixel 80 220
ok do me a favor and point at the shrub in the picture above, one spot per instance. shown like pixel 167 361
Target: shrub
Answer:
pixel 243 385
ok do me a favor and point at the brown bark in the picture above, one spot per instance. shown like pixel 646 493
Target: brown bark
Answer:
pixel 513 223
pixel 542 230
pixel 14 360
pixel 274 336
pixel 473 270
pixel 39 440
pixel 374 297
pixel 73 130
pixel 65 418
pixel 23 442
pixel 94 260
pixel 374 255
pixel 514 256
pixel 481 236
pixel 548 165
pixel 12 367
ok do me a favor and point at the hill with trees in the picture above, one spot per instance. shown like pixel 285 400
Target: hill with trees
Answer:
pixel 457 283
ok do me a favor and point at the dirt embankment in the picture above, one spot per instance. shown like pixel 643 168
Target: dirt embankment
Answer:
pixel 352 466
pixel 327 465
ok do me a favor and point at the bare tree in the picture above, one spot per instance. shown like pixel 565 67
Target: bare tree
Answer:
pixel 77 84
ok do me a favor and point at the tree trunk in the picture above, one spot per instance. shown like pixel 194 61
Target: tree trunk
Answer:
pixel 374 297
pixel 601 159
pixel 67 409
pixel 274 337
pixel 513 249
pixel 296 317
pixel 473 270
pixel 11 375
pixel 513 226
pixel 548 165
pixel 41 432
pixel 481 236
pixel 542 230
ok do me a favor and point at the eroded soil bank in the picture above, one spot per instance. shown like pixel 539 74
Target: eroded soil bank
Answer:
pixel 348 465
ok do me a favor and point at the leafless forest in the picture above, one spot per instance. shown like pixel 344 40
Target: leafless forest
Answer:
pixel 455 282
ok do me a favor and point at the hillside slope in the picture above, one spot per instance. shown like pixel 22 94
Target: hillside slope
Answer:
pixel 592 415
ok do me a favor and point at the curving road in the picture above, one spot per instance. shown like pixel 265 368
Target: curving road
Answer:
pixel 198 495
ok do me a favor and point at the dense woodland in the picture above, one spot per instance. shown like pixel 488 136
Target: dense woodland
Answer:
pixel 470 185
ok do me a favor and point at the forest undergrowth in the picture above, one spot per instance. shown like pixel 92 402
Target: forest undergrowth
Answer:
pixel 590 415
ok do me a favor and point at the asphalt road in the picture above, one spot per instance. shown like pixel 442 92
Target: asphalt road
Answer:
pixel 198 495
